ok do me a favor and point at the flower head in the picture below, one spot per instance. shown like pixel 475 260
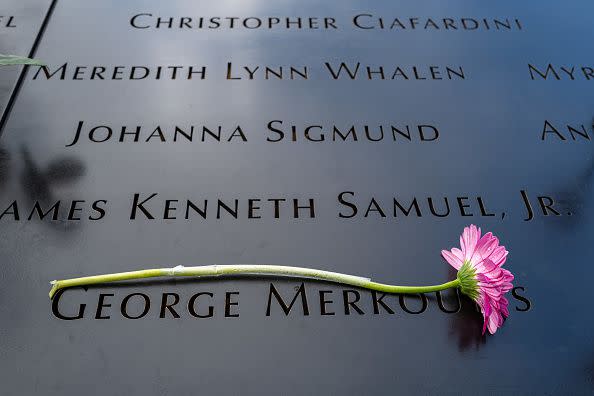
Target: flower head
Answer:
pixel 481 277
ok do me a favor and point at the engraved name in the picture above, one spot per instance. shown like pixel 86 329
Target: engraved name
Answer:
pixel 275 131
pixel 234 72
pixel 364 21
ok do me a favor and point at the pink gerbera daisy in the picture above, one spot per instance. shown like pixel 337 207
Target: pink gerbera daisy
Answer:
pixel 481 277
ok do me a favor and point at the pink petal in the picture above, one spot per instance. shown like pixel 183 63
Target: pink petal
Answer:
pixel 486 244
pixel 493 323
pixel 453 259
pixel 485 306
pixel 508 276
pixel 503 306
pixel 458 253
pixel 468 241
pixel 488 268
pixel 493 292
pixel 483 248
pixel 498 256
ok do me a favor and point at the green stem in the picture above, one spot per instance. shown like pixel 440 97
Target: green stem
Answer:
pixel 243 269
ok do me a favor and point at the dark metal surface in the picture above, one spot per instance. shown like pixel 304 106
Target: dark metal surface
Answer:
pixel 20 28
pixel 489 146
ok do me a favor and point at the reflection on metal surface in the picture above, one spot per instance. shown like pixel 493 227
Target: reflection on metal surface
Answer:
pixel 38 183
pixel 4 166
pixel 64 170
pixel 574 196
pixel 465 326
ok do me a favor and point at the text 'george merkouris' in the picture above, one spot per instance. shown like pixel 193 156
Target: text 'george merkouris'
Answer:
pixel 237 72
